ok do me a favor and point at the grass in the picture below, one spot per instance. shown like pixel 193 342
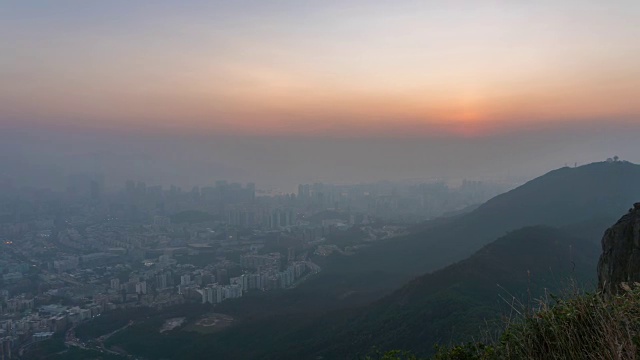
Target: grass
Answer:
pixel 586 326
pixel 581 326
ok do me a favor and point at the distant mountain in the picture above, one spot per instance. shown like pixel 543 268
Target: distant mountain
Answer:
pixel 586 199
pixel 564 196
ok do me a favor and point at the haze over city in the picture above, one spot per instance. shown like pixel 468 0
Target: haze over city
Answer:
pixel 336 91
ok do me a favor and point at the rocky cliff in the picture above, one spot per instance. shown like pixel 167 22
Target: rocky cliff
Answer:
pixel 620 259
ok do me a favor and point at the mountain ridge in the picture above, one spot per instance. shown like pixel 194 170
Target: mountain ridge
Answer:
pixel 560 198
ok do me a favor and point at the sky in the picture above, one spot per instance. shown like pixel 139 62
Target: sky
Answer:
pixel 333 73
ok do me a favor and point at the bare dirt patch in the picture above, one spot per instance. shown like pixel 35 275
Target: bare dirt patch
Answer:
pixel 210 323
pixel 172 323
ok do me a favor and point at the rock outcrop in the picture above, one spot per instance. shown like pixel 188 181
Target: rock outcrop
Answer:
pixel 620 259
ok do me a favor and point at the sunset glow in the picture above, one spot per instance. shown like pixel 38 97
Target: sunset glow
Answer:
pixel 319 68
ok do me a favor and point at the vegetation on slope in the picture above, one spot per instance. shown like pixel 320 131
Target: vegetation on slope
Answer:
pixel 587 326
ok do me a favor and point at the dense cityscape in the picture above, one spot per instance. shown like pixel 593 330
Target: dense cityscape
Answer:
pixel 70 256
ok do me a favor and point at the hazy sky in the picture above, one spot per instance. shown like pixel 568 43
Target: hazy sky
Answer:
pixel 289 91
pixel 331 67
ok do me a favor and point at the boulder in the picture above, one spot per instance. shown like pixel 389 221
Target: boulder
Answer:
pixel 620 259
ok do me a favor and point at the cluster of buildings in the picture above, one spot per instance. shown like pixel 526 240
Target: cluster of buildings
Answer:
pixel 261 216
pixel 39 323
pixel 156 247
pixel 160 283
pixel 261 272
pixel 215 293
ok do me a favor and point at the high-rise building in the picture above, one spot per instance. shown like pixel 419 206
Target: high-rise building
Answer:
pixel 162 281
pixel 185 279
pixel 251 190
pixel 222 276
pixel 141 287
pixel 115 284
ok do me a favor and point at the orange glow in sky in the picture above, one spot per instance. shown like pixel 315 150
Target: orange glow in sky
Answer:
pixel 328 68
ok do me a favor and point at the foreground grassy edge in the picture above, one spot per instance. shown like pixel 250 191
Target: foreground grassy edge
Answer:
pixel 582 326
